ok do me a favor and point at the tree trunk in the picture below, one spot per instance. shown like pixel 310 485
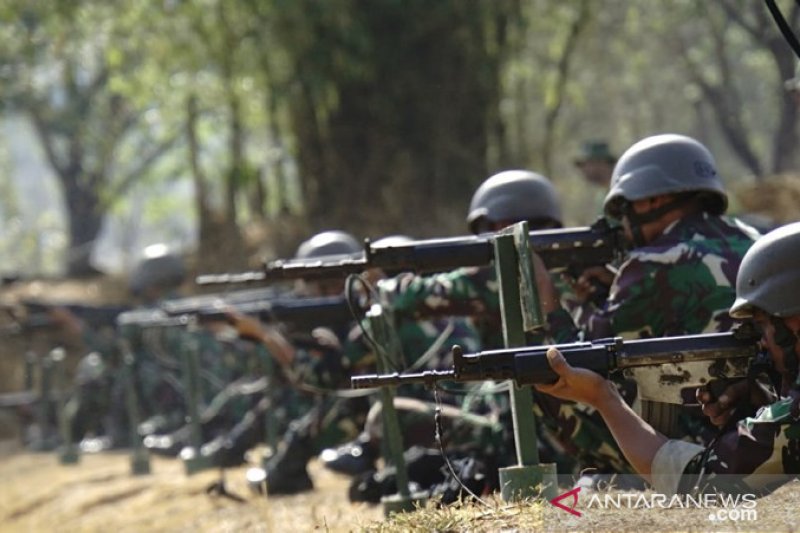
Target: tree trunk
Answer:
pixel 85 221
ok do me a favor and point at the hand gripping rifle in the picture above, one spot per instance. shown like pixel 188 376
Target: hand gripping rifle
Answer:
pixel 569 248
pixel 662 368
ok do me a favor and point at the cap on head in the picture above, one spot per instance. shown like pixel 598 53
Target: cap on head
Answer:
pixel 514 195
pixel 328 243
pixel 769 275
pixel 665 164
pixel 595 150
pixel 159 267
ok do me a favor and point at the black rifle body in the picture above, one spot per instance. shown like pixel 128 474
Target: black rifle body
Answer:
pixel 299 313
pixel 570 248
pixel 675 360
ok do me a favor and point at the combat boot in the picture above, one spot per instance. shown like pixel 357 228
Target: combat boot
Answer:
pixel 353 458
pixel 286 471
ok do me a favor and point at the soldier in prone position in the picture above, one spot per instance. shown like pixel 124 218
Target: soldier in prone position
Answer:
pixel 755 454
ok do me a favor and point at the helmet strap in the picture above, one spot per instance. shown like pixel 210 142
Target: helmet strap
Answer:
pixel 637 220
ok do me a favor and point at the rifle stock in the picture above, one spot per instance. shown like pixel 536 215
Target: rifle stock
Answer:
pixel 662 367
pixel 572 248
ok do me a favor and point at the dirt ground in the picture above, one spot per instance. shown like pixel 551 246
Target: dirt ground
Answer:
pixel 100 494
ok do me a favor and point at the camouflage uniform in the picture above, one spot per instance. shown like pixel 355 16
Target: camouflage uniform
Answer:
pixel 759 454
pixel 474 292
pixel 690 271
pixel 417 338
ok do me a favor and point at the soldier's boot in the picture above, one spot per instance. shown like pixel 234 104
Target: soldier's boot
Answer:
pixel 228 449
pixel 167 445
pixel 353 458
pixel 286 471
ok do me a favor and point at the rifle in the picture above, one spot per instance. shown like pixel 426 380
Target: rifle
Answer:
pixel 568 248
pixel 93 315
pixel 301 313
pixel 662 368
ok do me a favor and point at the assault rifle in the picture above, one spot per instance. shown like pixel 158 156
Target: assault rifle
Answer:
pixel 299 313
pixel 662 368
pixel 33 315
pixel 569 248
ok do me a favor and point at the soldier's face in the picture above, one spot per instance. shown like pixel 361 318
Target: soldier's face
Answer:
pixel 777 353
pixel 597 171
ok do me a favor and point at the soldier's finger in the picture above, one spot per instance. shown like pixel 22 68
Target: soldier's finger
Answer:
pixel 702 396
pixel 557 361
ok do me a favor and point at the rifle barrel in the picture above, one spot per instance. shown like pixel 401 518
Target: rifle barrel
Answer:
pixel 598 244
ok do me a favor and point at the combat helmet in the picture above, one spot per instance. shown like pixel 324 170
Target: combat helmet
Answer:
pixel 159 267
pixel 328 243
pixel 665 164
pixel 769 275
pixel 515 195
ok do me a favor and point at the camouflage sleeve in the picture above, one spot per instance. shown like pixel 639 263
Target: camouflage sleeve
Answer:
pixel 629 310
pixel 759 453
pixel 462 292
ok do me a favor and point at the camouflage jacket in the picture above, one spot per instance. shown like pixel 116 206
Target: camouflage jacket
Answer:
pixel 681 283
pixel 469 292
pixel 757 455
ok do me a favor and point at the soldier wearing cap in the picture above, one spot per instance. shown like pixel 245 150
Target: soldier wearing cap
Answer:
pixel 596 162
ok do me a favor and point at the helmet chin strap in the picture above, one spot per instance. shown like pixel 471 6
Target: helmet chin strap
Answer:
pixel 637 220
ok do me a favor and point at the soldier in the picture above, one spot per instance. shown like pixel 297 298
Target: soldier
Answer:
pixel 157 351
pixel 504 199
pixel 596 163
pixel 760 452
pixel 679 276
pixel 317 420
pixel 415 339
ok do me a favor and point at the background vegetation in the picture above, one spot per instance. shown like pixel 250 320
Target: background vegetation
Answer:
pixel 258 122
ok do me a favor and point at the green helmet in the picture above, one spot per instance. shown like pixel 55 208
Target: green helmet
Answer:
pixel 665 164
pixel 159 268
pixel 328 243
pixel 514 195
pixel 769 276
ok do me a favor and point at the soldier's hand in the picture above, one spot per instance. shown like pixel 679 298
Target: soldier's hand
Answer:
pixel 248 327
pixel 590 281
pixel 740 396
pixel 576 384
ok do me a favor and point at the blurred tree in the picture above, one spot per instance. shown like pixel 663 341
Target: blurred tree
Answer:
pixel 732 34
pixel 57 64
pixel 391 107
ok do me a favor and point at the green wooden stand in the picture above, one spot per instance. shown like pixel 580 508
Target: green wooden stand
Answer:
pixel 518 293
pixel 140 457
pixel 68 452
pixel 382 329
